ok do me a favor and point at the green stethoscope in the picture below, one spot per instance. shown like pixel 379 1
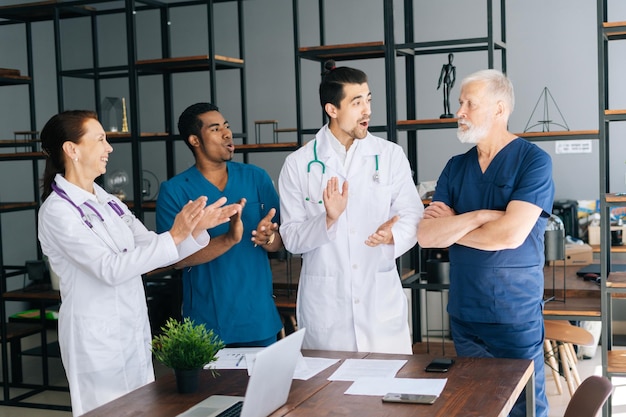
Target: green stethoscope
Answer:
pixel 316 160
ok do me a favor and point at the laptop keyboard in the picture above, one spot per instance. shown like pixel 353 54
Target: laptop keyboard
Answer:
pixel 232 411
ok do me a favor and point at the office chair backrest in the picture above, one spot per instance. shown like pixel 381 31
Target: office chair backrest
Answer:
pixel 589 397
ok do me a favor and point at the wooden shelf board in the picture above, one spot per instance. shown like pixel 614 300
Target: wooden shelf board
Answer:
pixel 14 80
pixel 284 146
pixel 564 134
pixel 452 123
pixel 616 280
pixel 427 124
pixel 18 142
pixel 142 134
pixel 358 45
pixel 609 25
pixel 587 307
pixel 17 206
pixel 19 330
pixel 15 77
pixel 360 50
pixel 616 362
pixel 197 62
pixel 614 249
pixel 9 72
pixel 614 30
pixel 21 156
pixel 41 10
pixel 615 112
pixel 615 198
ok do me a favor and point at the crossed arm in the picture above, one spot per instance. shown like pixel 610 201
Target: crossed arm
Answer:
pixel 488 230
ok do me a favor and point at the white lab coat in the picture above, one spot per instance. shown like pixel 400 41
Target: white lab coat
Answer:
pixel 104 332
pixel 350 296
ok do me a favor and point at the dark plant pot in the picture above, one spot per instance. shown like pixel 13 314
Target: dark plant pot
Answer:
pixel 187 380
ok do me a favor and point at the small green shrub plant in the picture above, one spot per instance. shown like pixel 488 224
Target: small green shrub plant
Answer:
pixel 186 345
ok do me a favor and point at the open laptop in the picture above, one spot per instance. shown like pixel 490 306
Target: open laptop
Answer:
pixel 268 387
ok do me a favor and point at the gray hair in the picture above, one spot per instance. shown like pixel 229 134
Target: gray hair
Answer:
pixel 498 86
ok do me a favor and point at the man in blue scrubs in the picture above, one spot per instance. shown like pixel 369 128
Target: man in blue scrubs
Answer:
pixel 228 284
pixel 490 208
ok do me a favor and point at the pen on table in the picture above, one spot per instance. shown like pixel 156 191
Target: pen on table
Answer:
pixel 239 360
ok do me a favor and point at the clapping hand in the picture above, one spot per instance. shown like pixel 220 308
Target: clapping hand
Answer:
pixel 216 214
pixel 196 216
pixel 382 235
pixel 265 229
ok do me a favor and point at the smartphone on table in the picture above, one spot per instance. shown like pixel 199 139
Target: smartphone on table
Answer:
pixel 394 397
pixel 439 365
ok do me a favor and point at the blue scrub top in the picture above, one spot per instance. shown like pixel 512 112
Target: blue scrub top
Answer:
pixel 232 294
pixel 504 286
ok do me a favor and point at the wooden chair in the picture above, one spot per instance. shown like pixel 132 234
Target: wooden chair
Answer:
pixel 589 397
pixel 560 338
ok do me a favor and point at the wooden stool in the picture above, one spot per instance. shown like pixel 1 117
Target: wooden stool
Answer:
pixel 257 130
pixel 560 338
pixel 284 130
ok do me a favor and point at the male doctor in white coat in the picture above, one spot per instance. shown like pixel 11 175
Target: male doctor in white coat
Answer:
pixel 350 207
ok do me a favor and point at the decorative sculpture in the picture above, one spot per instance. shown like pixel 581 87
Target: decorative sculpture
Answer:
pixel 111 113
pixel 448 77
pixel 546 118
pixel 124 118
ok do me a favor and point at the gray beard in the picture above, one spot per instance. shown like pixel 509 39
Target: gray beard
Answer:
pixel 473 134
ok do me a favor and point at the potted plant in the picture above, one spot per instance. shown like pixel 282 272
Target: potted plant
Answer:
pixel 186 347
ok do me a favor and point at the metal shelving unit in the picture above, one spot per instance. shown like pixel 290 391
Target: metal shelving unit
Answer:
pixel 612 283
pixel 24 150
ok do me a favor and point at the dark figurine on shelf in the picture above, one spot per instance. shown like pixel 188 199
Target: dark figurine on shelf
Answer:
pixel 448 76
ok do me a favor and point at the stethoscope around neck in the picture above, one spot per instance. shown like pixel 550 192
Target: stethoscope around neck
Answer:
pixel 316 160
pixel 114 206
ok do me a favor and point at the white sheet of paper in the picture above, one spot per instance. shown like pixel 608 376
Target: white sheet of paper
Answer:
pixel 308 367
pixel 243 358
pixel 232 358
pixel 301 364
pixel 353 369
pixel 382 386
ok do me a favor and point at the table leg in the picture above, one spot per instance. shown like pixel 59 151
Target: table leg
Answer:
pixel 530 396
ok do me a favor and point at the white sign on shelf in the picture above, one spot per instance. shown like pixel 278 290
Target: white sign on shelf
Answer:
pixel 573 146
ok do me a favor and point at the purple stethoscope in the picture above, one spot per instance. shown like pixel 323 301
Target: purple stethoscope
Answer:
pixel 114 206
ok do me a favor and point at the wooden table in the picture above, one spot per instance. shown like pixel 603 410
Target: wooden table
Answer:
pixel 476 386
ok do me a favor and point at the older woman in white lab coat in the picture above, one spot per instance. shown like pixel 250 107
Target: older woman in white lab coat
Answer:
pixel 100 250
pixel 350 295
